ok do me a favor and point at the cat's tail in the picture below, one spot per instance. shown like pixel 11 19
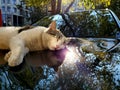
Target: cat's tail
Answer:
pixel 24 28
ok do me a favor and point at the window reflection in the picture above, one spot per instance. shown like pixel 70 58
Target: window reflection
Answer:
pixel 13 2
pixel 14 10
pixel 3 8
pixel 8 1
pixel 9 9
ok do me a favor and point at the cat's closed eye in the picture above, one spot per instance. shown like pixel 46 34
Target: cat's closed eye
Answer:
pixel 64 42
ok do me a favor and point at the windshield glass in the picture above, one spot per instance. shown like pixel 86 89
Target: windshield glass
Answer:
pixel 95 23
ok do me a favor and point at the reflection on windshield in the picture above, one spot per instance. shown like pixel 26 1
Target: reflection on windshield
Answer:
pixel 95 23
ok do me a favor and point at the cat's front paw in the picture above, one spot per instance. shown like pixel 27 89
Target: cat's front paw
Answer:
pixel 14 60
pixel 7 56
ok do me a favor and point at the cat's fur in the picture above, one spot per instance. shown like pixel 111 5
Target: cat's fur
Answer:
pixel 37 38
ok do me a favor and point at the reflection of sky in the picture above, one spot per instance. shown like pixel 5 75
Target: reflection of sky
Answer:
pixel 59 20
pixel 93 13
pixel 102 13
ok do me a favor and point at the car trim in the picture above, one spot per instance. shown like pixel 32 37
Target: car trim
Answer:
pixel 115 17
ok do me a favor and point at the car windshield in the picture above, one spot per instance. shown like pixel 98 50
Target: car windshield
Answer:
pixel 87 24
pixel 93 23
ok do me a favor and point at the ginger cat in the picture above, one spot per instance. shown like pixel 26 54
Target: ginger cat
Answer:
pixel 32 39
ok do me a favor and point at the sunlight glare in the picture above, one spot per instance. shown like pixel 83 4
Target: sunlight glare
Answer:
pixel 71 55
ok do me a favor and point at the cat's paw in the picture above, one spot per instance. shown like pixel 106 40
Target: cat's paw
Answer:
pixel 7 56
pixel 14 60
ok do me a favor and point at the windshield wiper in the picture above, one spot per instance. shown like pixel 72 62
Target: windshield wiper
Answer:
pixel 114 47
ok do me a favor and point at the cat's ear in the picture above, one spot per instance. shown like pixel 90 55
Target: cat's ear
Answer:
pixel 52 25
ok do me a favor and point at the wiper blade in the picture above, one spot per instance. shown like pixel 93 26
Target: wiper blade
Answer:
pixel 114 47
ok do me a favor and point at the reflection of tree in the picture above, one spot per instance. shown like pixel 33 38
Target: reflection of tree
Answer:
pixel 106 24
pixel 89 23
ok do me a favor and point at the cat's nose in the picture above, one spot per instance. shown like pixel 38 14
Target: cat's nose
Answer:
pixel 57 46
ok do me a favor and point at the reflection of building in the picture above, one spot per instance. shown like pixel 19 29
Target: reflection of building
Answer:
pixel 15 13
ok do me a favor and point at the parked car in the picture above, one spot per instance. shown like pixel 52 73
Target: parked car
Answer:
pixel 61 70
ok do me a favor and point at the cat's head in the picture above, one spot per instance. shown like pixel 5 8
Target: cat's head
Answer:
pixel 56 39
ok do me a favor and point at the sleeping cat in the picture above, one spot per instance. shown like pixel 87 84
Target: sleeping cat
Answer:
pixel 33 39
